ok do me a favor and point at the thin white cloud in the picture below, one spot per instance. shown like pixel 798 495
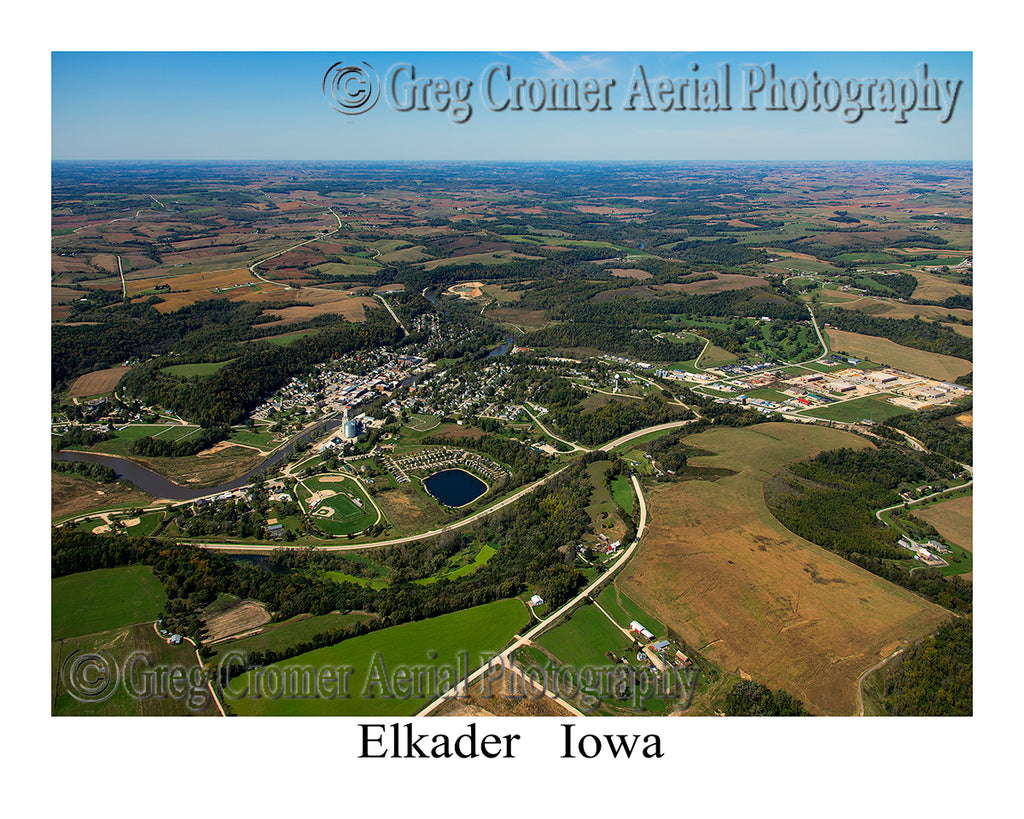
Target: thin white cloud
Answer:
pixel 558 62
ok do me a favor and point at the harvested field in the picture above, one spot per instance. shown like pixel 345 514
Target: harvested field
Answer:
pixel 104 261
pixel 934 288
pixel 97 383
pixel 245 616
pixel 605 210
pixel 526 319
pixel 724 281
pixel 64 295
pixel 884 351
pixel 479 258
pixel 192 287
pixel 722 572
pixel 321 302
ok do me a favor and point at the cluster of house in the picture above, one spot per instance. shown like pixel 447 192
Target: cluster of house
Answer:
pixel 345 384
pixel 447 457
pixel 923 551
pixel 656 652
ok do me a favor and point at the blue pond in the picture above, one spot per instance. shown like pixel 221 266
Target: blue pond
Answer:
pixel 454 487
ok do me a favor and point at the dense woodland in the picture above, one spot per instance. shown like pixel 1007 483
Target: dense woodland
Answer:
pixel 752 699
pixel 934 677
pixel 938 429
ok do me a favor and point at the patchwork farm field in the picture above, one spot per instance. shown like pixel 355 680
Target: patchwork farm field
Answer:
pixel 884 351
pixel 721 571
pixel 432 644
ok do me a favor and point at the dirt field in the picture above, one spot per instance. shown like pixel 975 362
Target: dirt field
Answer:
pixel 527 319
pixel 97 383
pixel 72 495
pixel 753 597
pixel 246 616
pixel 953 518
pixel 883 351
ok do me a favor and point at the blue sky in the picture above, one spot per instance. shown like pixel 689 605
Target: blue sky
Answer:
pixel 241 105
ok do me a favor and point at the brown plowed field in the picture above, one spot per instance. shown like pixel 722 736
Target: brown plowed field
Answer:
pixel 722 572
pixel 246 616
pixel 97 383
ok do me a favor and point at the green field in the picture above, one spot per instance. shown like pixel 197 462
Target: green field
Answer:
pixel 344 515
pixel 89 602
pixel 869 408
pixel 190 370
pixel 459 566
pixel 622 493
pixel 479 631
pixel 263 440
pixel 584 639
pixel 288 338
pixel 624 609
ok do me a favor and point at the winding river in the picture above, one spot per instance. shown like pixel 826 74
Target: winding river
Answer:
pixel 160 487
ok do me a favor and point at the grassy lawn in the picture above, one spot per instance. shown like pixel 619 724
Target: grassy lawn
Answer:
pixel 191 370
pixel 89 602
pixel 870 408
pixel 584 639
pixel 622 493
pixel 624 609
pixel 433 644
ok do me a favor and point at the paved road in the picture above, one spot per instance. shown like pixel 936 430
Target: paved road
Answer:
pixel 825 353
pixel 552 618
pixel 254 265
